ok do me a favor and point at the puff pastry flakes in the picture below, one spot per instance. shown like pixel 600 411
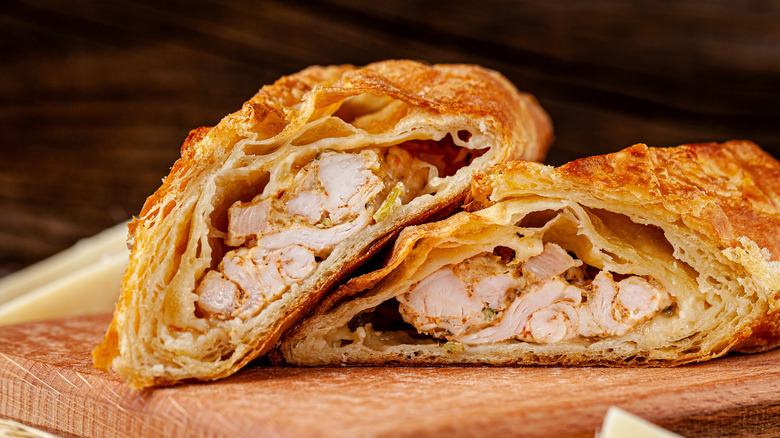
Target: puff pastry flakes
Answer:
pixel 642 257
pixel 273 207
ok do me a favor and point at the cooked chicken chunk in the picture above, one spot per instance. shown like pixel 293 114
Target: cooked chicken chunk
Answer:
pixel 450 301
pixel 538 306
pixel 330 199
pixel 514 321
pixel 336 186
pixel 246 220
pixel 217 294
pixel 316 239
pixel 552 262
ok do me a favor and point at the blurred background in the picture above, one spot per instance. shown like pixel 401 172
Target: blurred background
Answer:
pixel 96 97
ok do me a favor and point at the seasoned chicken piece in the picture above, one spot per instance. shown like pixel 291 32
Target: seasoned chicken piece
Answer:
pixel 254 276
pixel 618 307
pixel 295 262
pixel 330 199
pixel 348 183
pixel 602 306
pixel 452 300
pixel 492 290
pixel 552 324
pixel 514 321
pixel 439 303
pixel 640 298
pixel 317 239
pixel 307 206
pixel 480 300
pixel 336 186
pixel 552 262
pixel 246 220
pixel 217 294
pixel 261 274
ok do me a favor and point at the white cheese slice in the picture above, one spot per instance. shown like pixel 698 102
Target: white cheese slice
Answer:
pixel 83 279
pixel 620 424
pixel 12 429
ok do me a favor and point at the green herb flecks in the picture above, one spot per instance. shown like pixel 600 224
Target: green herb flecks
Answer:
pixel 453 347
pixel 390 203
pixel 489 313
pixel 319 154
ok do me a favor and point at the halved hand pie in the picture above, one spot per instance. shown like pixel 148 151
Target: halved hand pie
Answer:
pixel 269 210
pixel 642 257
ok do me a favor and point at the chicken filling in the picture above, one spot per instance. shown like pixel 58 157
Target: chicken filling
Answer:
pixel 279 240
pixel 551 297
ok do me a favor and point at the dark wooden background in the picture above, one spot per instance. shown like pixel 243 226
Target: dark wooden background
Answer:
pixel 96 97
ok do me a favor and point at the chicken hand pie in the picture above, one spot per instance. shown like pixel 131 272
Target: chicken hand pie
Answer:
pixel 647 256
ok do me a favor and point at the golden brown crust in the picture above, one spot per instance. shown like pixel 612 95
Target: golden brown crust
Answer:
pixel 450 89
pixel 173 238
pixel 715 203
pixel 729 189
pixel 763 336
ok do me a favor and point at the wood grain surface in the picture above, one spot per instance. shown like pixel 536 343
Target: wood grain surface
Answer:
pixel 96 97
pixel 46 381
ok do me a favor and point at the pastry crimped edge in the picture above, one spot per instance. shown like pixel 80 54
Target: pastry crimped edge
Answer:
pixel 481 98
pixel 730 191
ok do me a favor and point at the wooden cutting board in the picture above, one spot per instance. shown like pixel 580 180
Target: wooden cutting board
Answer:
pixel 47 381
